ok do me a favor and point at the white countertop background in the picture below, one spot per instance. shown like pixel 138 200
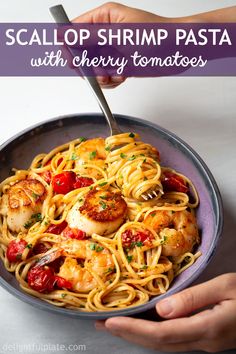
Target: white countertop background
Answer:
pixel 202 111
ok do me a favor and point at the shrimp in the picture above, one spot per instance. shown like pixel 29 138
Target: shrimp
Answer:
pixel 178 229
pixel 91 151
pixel 96 258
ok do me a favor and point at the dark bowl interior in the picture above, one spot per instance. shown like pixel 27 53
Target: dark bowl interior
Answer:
pixel 20 150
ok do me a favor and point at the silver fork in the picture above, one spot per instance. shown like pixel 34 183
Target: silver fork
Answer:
pixel 59 14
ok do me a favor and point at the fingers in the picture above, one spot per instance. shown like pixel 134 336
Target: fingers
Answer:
pixel 106 13
pixel 175 335
pixel 174 331
pixel 110 82
pixel 112 12
pixel 195 298
pixel 210 330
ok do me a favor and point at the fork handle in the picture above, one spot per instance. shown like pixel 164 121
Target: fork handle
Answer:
pixel 60 16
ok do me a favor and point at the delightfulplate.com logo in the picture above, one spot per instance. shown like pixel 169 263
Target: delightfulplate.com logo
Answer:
pixel 41 348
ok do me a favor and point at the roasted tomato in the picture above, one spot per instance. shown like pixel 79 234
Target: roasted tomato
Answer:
pixel 144 237
pixel 15 250
pixel 139 238
pixel 62 283
pixel 127 238
pixel 69 232
pixel 40 248
pixel 44 280
pixel 64 182
pixel 83 182
pixel 41 279
pixel 56 229
pixel 173 183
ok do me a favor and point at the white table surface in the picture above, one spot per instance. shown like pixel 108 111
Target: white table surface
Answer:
pixel 202 111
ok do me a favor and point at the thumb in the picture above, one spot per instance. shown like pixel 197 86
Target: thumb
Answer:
pixel 194 298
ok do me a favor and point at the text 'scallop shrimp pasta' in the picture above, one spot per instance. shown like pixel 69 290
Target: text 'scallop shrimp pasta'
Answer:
pixel 79 230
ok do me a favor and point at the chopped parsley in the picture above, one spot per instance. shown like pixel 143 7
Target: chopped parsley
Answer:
pixel 136 243
pixel 92 246
pixel 28 224
pixel 103 205
pixel 95 247
pixel 132 158
pixel 103 197
pixel 74 156
pixel 92 155
pixel 123 156
pixel 35 195
pixel 82 139
pixel 153 215
pixel 163 240
pixel 131 135
pixel 129 258
pixel 109 270
pixel 91 188
pixel 102 184
pixel 39 165
pixel 29 245
pixel 144 267
pixel 34 218
pixel 99 248
pixel 37 217
pixel 108 148
pixel 63 295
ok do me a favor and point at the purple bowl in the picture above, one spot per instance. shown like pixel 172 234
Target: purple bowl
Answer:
pixel 20 150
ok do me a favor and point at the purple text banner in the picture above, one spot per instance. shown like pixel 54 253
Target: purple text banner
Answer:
pixel 141 50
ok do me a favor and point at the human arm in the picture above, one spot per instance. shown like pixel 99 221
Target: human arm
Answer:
pixel 117 13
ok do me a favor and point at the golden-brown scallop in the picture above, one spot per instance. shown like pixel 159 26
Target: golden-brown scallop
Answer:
pixel 21 201
pixel 102 213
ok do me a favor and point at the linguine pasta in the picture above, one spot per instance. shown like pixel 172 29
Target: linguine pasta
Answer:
pixel 90 270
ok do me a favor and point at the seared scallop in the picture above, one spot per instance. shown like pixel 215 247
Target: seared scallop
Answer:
pixel 21 202
pixel 102 213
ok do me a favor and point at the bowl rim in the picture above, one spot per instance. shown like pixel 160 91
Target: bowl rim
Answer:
pixel 198 161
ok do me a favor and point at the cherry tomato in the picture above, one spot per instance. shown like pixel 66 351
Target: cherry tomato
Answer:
pixel 57 229
pixel 40 248
pixel 62 283
pixel 82 182
pixel 47 175
pixel 69 232
pixel 172 182
pixel 15 250
pixel 139 238
pixel 144 237
pixel 127 238
pixel 63 183
pixel 41 279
